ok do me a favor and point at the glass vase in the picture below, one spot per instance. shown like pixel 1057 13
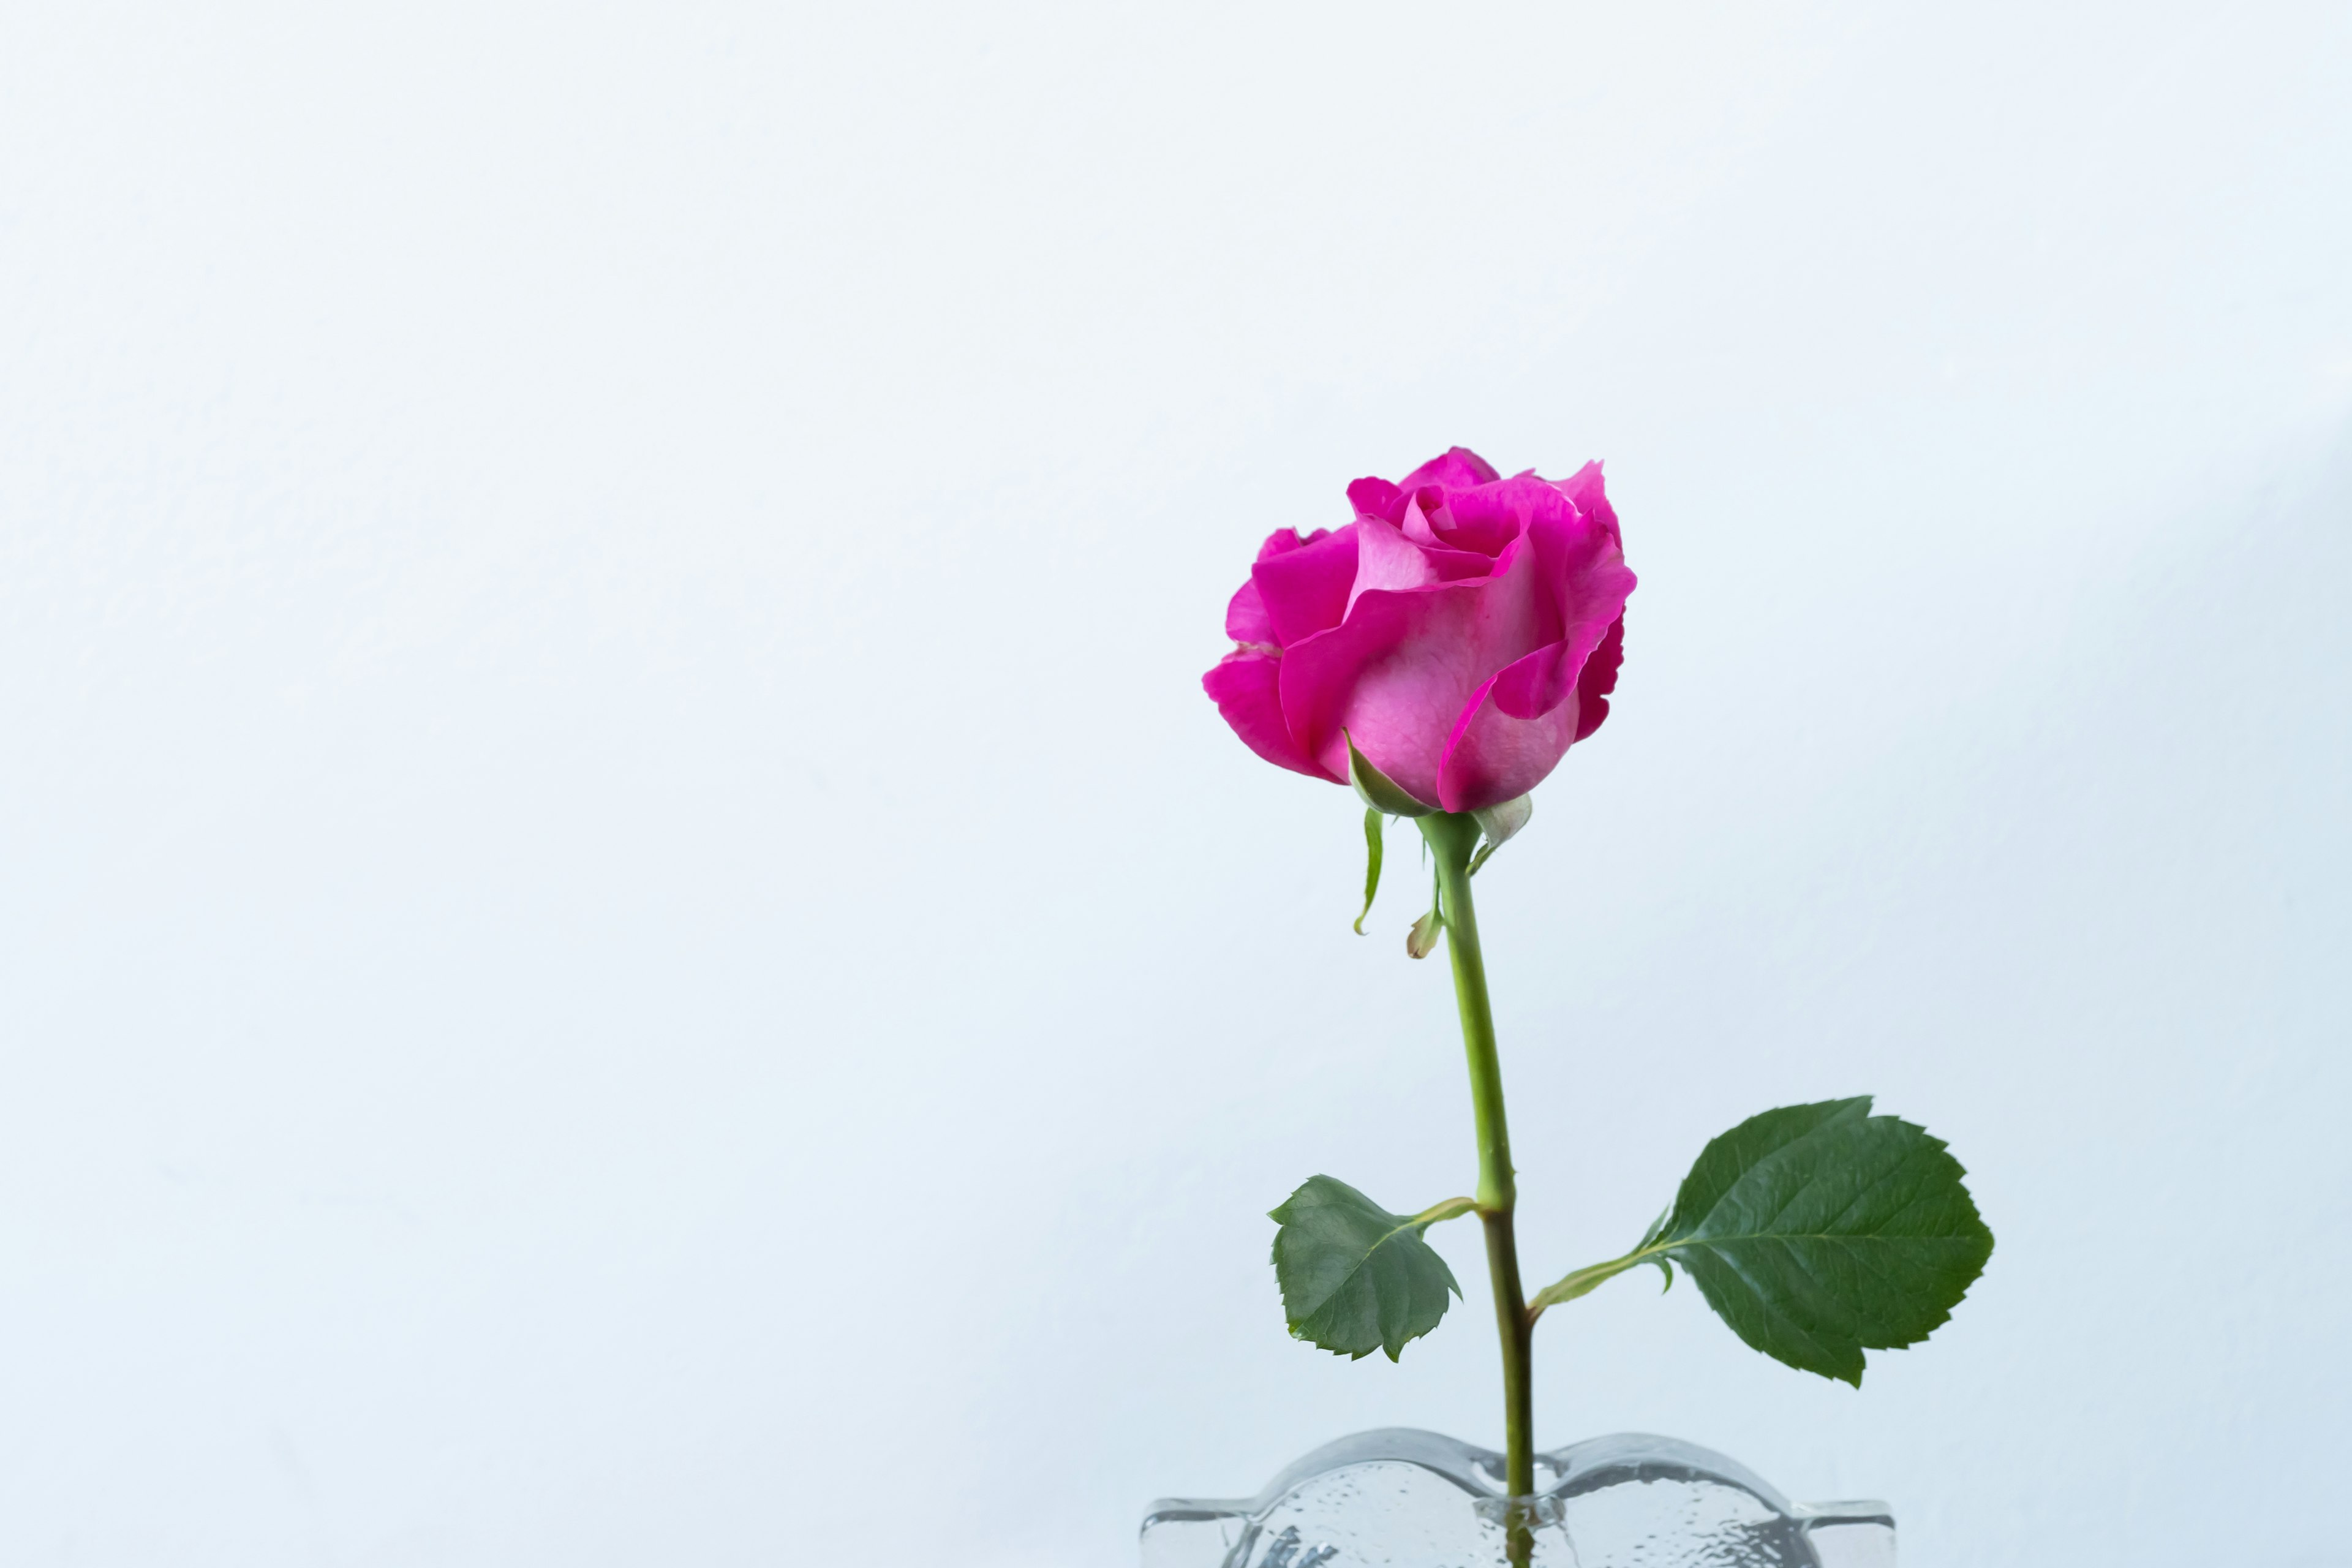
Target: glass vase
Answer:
pixel 1406 1498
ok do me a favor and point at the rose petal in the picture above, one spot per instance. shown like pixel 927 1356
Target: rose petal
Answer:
pixel 1514 732
pixel 1246 686
pixel 1582 560
pixel 1386 559
pixel 1305 591
pixel 1489 517
pixel 1599 679
pixel 1283 541
pixel 1417 513
pixel 1395 562
pixel 1401 669
pixel 1459 468
pixel 1495 756
pixel 1246 616
pixel 1585 491
pixel 1532 687
pixel 1377 498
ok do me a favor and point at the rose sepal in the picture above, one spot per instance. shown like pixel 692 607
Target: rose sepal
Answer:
pixel 1498 821
pixel 1376 789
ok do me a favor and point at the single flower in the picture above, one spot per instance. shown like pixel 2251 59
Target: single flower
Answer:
pixel 1465 630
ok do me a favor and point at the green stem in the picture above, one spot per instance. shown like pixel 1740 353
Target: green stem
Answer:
pixel 1452 838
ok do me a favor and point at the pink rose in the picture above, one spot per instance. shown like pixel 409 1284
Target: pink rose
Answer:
pixel 1464 631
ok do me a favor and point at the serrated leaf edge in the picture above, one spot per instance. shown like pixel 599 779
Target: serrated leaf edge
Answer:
pixel 1658 1246
pixel 1449 1208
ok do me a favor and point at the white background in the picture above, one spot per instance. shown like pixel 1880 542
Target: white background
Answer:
pixel 624 938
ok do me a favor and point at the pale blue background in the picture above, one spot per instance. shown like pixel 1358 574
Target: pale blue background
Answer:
pixel 624 938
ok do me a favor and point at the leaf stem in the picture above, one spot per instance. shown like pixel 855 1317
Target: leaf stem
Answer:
pixel 1585 1280
pixel 1452 838
pixel 1452 1209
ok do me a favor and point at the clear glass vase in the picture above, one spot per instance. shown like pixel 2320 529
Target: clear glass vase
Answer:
pixel 1404 1498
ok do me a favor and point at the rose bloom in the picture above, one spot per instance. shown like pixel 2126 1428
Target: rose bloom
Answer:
pixel 1465 630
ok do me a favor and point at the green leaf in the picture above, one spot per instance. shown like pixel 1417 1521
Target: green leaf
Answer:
pixel 1371 862
pixel 1818 1232
pixel 1356 1279
pixel 1376 789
